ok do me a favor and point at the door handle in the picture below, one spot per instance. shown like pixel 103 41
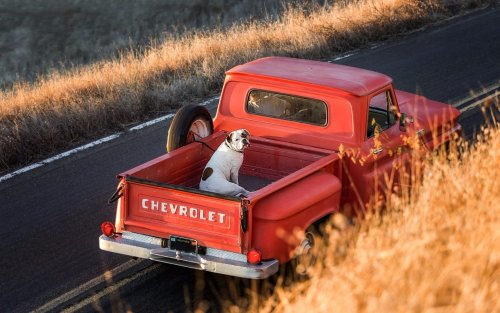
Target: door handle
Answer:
pixel 377 151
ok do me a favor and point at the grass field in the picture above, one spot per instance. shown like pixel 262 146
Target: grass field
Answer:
pixel 65 108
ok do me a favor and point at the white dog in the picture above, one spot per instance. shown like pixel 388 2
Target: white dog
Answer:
pixel 221 173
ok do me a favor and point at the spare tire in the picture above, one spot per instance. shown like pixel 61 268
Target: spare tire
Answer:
pixel 190 123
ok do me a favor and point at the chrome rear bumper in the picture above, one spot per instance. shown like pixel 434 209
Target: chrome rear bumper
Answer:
pixel 215 260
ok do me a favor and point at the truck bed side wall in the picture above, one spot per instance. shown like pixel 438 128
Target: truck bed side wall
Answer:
pixel 280 216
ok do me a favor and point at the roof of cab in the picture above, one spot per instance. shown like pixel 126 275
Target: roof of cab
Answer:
pixel 353 80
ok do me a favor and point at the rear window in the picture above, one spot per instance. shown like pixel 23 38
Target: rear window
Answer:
pixel 287 107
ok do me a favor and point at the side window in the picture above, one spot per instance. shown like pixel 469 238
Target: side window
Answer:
pixel 381 113
pixel 287 107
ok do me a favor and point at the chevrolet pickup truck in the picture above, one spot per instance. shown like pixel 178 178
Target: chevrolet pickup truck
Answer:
pixel 301 115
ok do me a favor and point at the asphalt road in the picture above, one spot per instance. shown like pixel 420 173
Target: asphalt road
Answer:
pixel 50 216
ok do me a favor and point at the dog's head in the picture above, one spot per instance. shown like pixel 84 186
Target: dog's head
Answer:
pixel 238 140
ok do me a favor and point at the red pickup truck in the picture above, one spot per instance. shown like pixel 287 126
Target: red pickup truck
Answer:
pixel 300 114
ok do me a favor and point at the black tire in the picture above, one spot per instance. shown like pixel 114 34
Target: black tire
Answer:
pixel 190 123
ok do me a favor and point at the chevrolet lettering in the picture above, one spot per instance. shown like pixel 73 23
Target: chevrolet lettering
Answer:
pixel 182 210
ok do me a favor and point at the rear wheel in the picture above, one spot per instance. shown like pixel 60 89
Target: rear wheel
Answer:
pixel 311 251
pixel 192 122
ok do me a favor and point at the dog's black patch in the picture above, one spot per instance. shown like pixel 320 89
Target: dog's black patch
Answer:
pixel 207 173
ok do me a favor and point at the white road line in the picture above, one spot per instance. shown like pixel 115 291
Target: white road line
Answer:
pixel 87 286
pixel 375 46
pixel 59 156
pixel 470 106
pixel 152 122
pixel 474 95
pixel 345 56
pixel 92 144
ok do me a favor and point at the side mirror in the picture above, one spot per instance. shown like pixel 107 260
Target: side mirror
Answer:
pixel 404 120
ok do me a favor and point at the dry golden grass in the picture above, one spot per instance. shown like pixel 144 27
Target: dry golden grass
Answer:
pixel 64 108
pixel 434 249
pixel 54 34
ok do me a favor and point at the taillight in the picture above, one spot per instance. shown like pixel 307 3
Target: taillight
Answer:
pixel 108 229
pixel 254 256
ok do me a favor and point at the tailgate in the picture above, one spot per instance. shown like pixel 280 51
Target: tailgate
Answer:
pixel 163 210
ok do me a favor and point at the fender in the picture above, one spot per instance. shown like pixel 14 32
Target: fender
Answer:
pixel 292 209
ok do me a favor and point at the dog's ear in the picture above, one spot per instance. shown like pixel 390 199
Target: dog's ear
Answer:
pixel 229 137
pixel 245 133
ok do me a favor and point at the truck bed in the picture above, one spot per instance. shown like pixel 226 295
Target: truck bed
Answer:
pixel 253 182
pixel 265 162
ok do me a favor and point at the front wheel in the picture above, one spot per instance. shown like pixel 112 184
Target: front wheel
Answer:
pixel 192 122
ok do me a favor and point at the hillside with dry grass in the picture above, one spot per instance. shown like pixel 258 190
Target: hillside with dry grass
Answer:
pixel 39 37
pixel 68 107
